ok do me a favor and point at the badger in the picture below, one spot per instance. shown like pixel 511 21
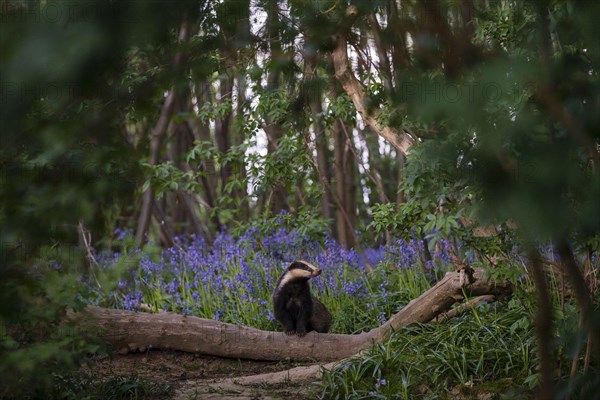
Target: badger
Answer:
pixel 295 308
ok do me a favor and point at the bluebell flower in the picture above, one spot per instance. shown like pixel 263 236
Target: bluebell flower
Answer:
pixel 379 383
pixel 122 233
pixel 270 316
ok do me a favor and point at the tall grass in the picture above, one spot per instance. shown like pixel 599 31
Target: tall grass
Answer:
pixel 493 351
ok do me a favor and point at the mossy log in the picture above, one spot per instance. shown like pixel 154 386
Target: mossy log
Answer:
pixel 129 331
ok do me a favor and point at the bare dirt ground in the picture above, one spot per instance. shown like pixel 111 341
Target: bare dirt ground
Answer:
pixel 202 377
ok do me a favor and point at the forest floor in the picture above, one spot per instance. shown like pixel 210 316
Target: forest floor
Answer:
pixel 200 377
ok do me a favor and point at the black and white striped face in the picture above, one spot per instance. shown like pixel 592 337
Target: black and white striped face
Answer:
pixel 302 270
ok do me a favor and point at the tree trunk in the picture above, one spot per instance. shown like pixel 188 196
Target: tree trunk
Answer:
pixel 400 193
pixel 345 185
pixel 544 326
pixel 397 28
pixel 201 130
pixel 371 146
pixel 223 123
pixel 357 92
pixel 382 53
pixel 277 196
pixel 156 139
pixel 241 193
pixel 322 152
pixel 129 331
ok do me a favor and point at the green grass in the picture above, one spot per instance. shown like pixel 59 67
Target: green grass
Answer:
pixel 493 346
pixel 80 385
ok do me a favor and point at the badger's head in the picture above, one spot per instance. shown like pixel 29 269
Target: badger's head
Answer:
pixel 303 270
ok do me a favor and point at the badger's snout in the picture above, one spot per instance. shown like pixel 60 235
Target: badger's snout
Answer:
pixel 317 272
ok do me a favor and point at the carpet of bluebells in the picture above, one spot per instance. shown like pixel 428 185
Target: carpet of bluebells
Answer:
pixel 232 279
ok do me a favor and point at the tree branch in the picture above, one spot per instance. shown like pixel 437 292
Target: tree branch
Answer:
pixel 156 138
pixel 136 331
pixel 357 92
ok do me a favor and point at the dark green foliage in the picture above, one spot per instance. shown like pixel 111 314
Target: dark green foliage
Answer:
pixel 495 343
pixel 82 385
pixel 62 162
pixel 508 129
pixel 36 343
pixel 501 132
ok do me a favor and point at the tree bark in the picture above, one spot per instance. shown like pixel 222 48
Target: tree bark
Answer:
pixel 223 123
pixel 156 139
pixel 129 331
pixel 400 193
pixel 345 185
pixel 357 92
pixel 371 147
pixel 544 326
pixel 278 197
pixel 322 152
pixel 582 293
pixel 209 178
pixel 382 53
pixel 155 143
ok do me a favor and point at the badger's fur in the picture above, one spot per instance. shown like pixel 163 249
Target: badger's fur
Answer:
pixel 295 308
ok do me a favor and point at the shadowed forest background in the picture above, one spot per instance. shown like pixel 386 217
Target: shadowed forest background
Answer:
pixel 175 156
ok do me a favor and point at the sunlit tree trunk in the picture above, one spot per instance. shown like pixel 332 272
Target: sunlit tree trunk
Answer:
pixel 223 123
pixel 382 53
pixel 372 170
pixel 400 198
pixel 240 166
pixel 233 17
pixel 399 46
pixel 277 197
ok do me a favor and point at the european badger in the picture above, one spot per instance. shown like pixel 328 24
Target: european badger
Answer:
pixel 295 308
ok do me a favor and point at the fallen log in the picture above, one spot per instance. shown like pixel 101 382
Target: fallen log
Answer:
pixel 129 331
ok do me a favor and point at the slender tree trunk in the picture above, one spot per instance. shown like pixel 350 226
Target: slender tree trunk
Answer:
pixel 156 140
pixel 155 144
pixel 321 145
pixel 277 198
pixel 177 211
pixel 209 177
pixel 382 53
pixel 223 125
pixel 243 40
pixel 400 53
pixel 241 194
pixel 400 193
pixel 371 145
pixel 345 186
pixel 582 294
pixel 543 326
